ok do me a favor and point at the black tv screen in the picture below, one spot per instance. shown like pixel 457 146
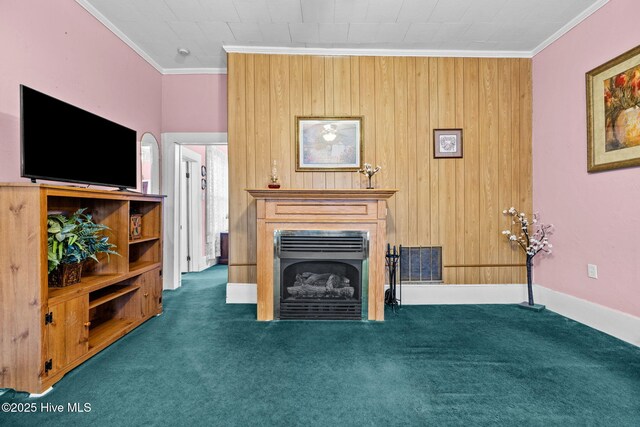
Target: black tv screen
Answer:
pixel 61 142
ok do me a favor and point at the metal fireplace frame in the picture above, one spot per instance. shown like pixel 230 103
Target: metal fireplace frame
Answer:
pixel 364 291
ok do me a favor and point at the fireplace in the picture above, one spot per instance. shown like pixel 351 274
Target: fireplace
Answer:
pixel 314 213
pixel 321 275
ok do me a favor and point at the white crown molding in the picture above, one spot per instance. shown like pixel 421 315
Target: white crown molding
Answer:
pixel 569 26
pixel 376 52
pixel 172 71
pixel 342 51
pixel 115 30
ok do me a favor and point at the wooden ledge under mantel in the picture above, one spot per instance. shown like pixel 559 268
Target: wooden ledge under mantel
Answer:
pixel 321 209
pixel 317 193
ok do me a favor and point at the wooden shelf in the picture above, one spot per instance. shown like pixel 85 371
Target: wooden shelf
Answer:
pixel 93 283
pixel 143 239
pixel 108 331
pixel 142 266
pixel 118 293
pixel 87 284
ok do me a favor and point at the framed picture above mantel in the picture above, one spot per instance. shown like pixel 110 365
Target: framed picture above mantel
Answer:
pixel 613 113
pixel 328 144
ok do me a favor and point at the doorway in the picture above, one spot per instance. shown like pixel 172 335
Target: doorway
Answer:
pixel 196 208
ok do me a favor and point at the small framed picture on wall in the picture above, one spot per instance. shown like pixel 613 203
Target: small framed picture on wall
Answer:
pixel 447 143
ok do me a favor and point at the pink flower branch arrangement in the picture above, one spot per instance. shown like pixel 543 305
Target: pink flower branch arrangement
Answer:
pixel 533 238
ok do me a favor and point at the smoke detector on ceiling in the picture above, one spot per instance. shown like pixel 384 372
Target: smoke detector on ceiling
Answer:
pixel 183 51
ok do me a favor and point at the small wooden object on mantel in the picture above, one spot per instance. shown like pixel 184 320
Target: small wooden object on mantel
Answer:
pixel 135 226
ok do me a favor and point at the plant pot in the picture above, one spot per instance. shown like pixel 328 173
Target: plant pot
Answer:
pixel 65 275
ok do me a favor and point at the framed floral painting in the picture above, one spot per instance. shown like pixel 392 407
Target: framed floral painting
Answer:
pixel 613 113
pixel 328 144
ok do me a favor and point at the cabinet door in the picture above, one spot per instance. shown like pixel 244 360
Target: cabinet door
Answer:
pixel 152 293
pixel 68 332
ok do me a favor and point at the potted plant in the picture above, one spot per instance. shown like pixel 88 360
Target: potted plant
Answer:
pixel 71 240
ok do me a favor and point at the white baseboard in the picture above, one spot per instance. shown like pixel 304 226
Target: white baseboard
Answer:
pixel 38 395
pixel 613 322
pixel 242 293
pixel 246 293
pixel 462 294
pixel 203 264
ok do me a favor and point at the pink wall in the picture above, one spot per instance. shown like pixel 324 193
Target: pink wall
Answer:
pixel 194 103
pixel 58 48
pixel 596 215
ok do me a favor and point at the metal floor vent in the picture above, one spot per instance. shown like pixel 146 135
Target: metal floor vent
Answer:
pixel 421 264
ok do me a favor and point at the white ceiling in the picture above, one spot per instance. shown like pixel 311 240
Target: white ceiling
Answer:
pixel 157 28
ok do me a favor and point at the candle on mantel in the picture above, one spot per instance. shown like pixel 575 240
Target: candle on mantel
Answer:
pixel 273 179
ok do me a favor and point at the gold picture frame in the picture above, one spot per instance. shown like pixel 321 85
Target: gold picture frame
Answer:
pixel 613 113
pixel 329 144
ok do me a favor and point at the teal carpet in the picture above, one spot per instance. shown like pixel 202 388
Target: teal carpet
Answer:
pixel 207 363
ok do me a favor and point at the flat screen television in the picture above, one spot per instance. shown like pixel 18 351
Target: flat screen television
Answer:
pixel 61 142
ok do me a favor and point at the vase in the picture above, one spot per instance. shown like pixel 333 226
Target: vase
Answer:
pixel 530 304
pixel 626 129
pixel 65 275
pixel 529 280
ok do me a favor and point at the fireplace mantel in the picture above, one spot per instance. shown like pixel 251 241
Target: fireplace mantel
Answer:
pixel 329 193
pixel 321 209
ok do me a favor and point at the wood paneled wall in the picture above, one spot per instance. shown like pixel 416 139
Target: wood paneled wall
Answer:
pixel 455 203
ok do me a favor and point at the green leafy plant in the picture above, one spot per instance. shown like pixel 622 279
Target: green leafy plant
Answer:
pixel 75 238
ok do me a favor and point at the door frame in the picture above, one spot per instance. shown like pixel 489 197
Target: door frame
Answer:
pixel 193 209
pixel 170 186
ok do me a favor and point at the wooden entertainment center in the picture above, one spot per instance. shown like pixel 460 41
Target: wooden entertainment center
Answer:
pixel 45 332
